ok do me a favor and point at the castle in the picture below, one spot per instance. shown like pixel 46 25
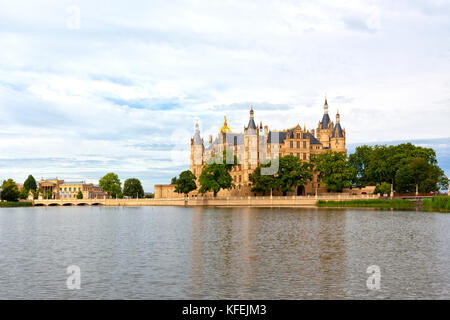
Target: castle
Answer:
pixel 256 144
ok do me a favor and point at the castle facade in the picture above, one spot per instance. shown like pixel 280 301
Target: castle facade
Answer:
pixel 258 143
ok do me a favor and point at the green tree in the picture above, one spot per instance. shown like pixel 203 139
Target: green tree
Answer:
pixel 214 177
pixel 80 195
pixel 420 176
pixel 133 188
pixel 30 183
pixel 174 180
pixel 23 194
pixel 292 173
pixel 263 183
pixel 10 192
pixel 111 183
pixel 334 170
pixel 185 183
pixel 383 188
pixel 360 160
pixel 150 196
pixel 48 194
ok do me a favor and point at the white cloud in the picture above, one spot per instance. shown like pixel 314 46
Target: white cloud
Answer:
pixel 135 74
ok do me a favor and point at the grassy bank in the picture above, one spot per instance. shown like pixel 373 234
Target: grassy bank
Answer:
pixel 374 203
pixel 15 204
pixel 440 203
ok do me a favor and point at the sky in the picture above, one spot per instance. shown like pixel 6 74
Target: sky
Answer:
pixel 91 87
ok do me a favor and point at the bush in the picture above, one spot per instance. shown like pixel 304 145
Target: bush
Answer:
pixel 437 203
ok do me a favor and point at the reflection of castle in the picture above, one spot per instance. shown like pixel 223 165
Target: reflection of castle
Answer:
pixel 258 143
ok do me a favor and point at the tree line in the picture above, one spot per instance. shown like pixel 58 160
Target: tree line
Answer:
pixel 110 183
pixel 402 168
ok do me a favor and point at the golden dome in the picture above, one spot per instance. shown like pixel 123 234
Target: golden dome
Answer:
pixel 225 128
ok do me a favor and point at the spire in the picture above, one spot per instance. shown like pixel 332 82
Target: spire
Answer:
pixel 326 118
pixel 304 127
pixel 197 127
pixel 225 128
pixel 197 139
pixel 260 125
pixel 251 122
pixel 338 117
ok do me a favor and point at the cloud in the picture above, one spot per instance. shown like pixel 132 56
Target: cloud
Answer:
pixel 123 91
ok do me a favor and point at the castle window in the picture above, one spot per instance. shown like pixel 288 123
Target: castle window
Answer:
pixel 240 179
pixel 298 135
pixel 292 144
pixel 304 144
pixel 304 156
pixel 298 144
pixel 298 155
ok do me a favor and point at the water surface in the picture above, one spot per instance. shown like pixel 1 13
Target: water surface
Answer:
pixel 222 253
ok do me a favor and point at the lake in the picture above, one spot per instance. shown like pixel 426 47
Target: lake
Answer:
pixel 223 253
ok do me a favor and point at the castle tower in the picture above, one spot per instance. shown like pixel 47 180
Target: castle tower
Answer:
pixel 251 139
pixel 197 150
pixel 325 127
pixel 338 136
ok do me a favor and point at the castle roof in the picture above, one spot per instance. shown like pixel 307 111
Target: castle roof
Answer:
pixel 325 121
pixel 337 131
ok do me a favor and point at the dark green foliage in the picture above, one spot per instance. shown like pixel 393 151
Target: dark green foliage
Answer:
pixel 30 183
pixel 48 195
pixel 405 166
pixel 292 173
pixel 10 192
pixel 111 183
pixel 214 177
pixel 80 195
pixel 334 170
pixel 384 188
pixel 262 182
pixel 185 183
pixel 133 188
pixel 14 204
pixel 23 194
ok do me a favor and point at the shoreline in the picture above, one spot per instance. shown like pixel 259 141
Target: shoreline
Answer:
pixel 241 202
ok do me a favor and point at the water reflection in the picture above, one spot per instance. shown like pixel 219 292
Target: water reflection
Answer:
pixel 223 253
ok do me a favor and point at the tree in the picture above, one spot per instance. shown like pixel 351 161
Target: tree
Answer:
pixel 23 194
pixel 420 176
pixel 214 177
pixel 111 183
pixel 383 188
pixel 293 172
pixel 334 170
pixel 263 183
pixel 30 183
pixel 360 160
pixel 174 180
pixel 10 192
pixel 48 194
pixel 185 183
pixel 80 195
pixel 133 188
